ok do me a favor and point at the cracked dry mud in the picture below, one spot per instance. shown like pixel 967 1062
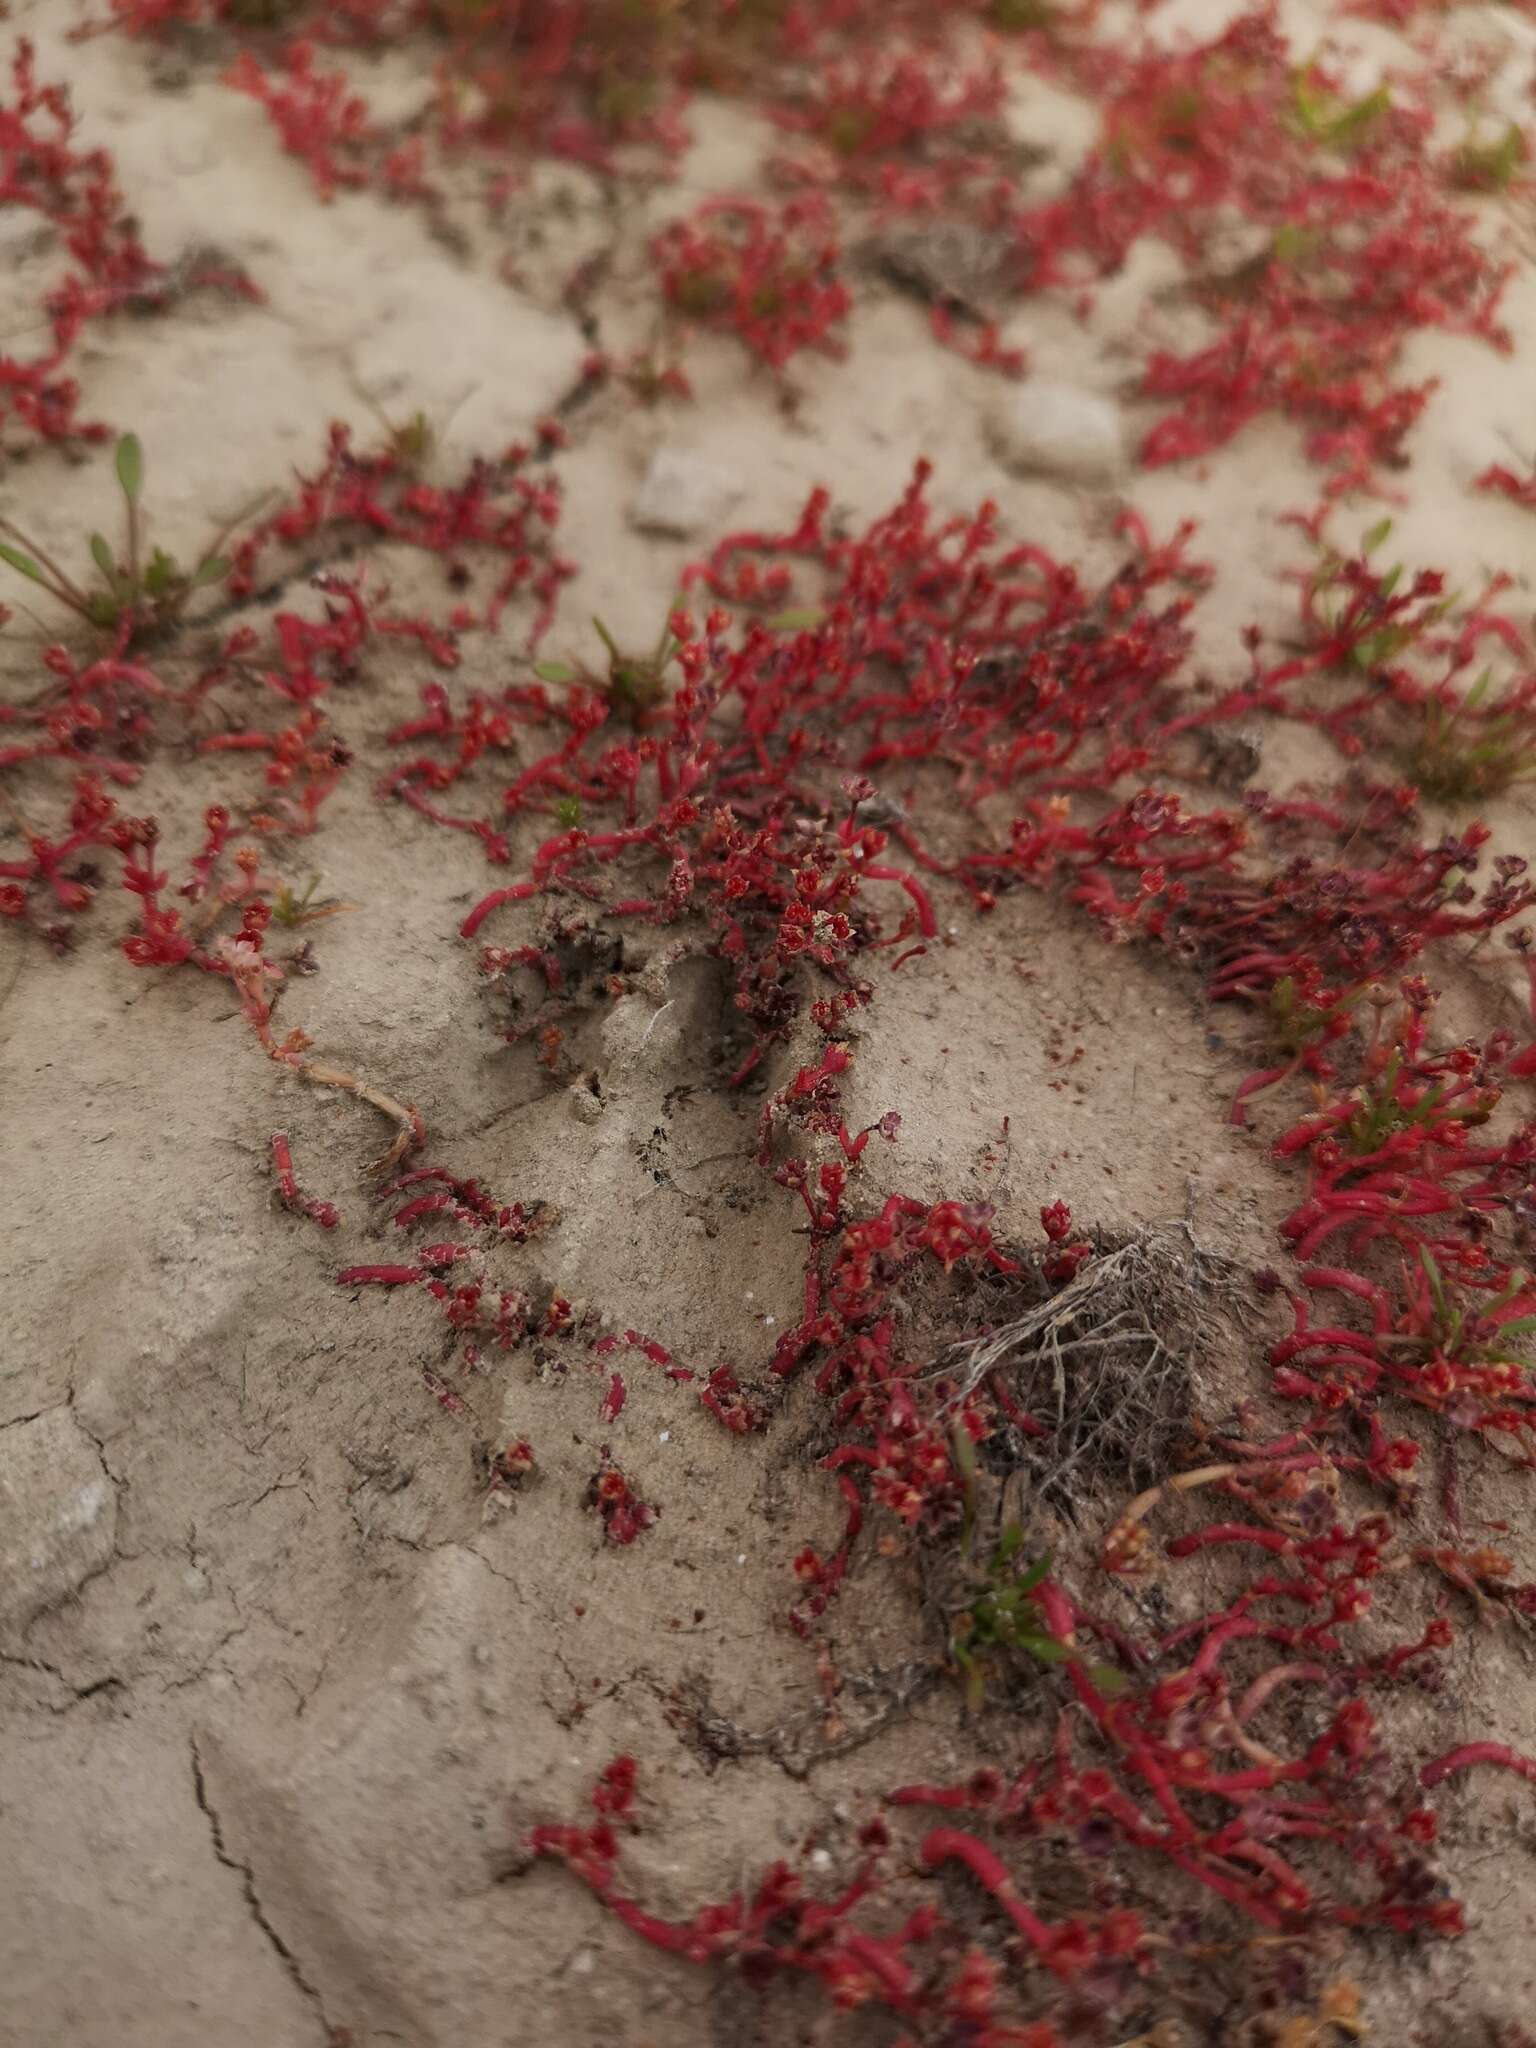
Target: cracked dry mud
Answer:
pixel 280 1690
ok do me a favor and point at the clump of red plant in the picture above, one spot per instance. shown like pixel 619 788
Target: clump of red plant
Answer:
pixel 1351 247
pixel 501 509
pixel 744 801
pixel 329 126
pixel 1507 483
pixel 927 1970
pixel 624 1515
pixel 768 274
pixel 108 269
pixel 456 1271
pixel 760 796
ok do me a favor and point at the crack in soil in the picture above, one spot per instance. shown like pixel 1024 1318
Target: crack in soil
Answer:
pixel 16 1421
pixel 247 1876
pixel 110 1682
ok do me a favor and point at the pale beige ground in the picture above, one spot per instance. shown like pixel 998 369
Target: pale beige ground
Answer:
pixel 264 1754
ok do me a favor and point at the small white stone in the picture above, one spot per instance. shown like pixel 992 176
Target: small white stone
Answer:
pixel 683 495
pixel 85 1507
pixel 742 1558
pixel 1045 429
pixel 665 1437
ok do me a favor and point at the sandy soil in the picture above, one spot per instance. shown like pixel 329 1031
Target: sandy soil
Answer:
pixel 286 1690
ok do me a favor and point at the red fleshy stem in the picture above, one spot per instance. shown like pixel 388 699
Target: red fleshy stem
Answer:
pixel 927 923
pixel 946 1845
pixel 517 892
pixel 1232 1532
pixel 326 1214
pixel 1471 1753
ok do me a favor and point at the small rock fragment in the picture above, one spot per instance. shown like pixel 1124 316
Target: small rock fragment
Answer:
pixel 1044 429
pixel 58 1514
pixel 585 1099
pixel 948 262
pixel 683 495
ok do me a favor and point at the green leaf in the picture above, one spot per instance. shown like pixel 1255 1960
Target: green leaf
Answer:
pixel 101 555
pixel 1046 1649
pixel 1431 1267
pixel 554 672
pixel 964 1451
pixel 1349 126
pixel 1325 118
pixel 975 1681
pixel 212 569
pixel 1376 536
pixel 796 621
pixel 22 564
pixel 1107 1679
pixel 159 575
pixel 130 466
pixel 1292 244
pixel 1310 106
pixel 1489 166
pixel 1037 1571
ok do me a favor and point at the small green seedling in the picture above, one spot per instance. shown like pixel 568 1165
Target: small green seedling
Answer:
pixel 1324 117
pixel 1451 1325
pixel 1294 245
pixel 635 683
pixel 1404 619
pixel 1297 1023
pixel 292 908
pixel 261 13
pixel 141 595
pixel 1384 1111
pixel 414 440
pixel 1003 1615
pixel 1490 166
pixel 1474 748
pixel 1014 16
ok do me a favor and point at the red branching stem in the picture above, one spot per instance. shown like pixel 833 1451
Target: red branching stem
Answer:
pixel 325 1214
pixel 1470 1753
pixel 944 1845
